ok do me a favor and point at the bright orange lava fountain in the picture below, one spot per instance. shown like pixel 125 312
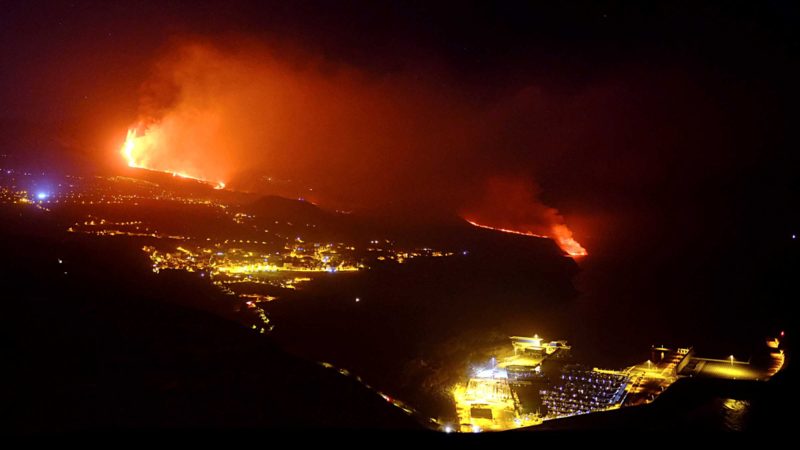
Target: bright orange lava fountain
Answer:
pixel 136 151
pixel 561 234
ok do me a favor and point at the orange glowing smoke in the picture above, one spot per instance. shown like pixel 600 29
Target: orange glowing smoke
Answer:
pixel 561 234
pixel 512 205
pixel 138 151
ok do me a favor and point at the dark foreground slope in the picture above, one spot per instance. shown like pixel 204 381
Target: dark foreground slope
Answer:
pixel 414 330
pixel 89 343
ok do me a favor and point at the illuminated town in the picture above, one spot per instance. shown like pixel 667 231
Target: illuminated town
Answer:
pixel 260 260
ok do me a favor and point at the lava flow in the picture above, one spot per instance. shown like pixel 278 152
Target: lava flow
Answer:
pixel 136 151
pixel 561 234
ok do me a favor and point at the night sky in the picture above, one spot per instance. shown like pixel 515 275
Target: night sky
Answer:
pixel 664 127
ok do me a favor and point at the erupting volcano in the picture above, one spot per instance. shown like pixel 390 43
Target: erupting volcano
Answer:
pixel 139 150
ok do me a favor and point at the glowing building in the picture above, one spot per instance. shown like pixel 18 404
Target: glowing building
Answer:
pixel 535 346
pixel 486 404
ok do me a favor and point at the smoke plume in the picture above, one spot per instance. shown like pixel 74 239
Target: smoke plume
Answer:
pixel 404 141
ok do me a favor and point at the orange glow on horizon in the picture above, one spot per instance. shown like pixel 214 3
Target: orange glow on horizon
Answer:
pixel 561 235
pixel 136 152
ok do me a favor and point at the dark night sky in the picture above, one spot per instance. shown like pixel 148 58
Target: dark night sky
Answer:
pixel 660 119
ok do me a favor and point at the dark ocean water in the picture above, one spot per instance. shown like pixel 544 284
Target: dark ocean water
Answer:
pixel 722 297
pixel 735 414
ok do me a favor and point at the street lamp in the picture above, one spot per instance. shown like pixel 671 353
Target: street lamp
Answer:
pixel 731 360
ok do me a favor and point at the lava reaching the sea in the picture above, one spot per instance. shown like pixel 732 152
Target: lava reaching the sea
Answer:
pixel 138 152
pixel 561 235
pixel 512 205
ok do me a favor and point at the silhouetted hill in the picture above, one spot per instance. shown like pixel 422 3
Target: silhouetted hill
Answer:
pixel 288 209
pixel 90 343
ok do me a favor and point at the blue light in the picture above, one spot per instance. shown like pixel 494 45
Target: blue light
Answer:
pixel 41 195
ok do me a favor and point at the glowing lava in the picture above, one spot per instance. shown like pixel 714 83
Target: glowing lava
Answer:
pixel 137 150
pixel 563 237
pixel 561 234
